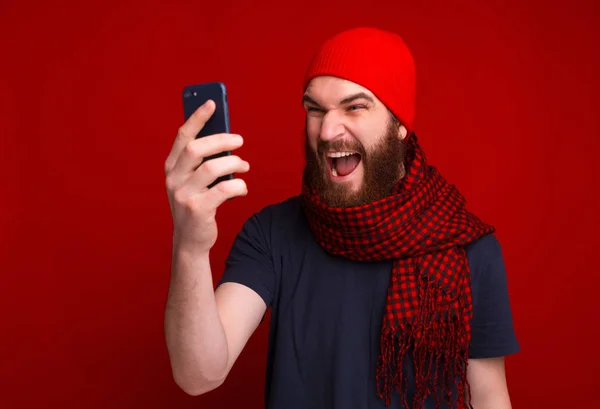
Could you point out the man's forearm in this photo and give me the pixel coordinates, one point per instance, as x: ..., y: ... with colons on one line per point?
x: 488, y: 384
x: 195, y: 338
x: 491, y: 401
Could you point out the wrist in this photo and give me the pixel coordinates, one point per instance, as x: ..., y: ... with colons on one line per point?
x: 188, y: 248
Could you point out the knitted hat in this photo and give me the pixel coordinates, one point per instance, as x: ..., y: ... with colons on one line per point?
x: 375, y: 59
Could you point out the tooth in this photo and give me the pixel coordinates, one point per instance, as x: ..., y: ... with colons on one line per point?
x: 334, y: 172
x: 339, y: 154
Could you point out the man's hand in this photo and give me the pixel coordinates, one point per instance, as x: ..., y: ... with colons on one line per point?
x: 193, y: 204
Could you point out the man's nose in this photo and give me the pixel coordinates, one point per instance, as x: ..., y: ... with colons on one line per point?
x: 332, y: 126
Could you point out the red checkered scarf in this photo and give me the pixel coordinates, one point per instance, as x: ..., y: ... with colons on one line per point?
x: 423, y: 228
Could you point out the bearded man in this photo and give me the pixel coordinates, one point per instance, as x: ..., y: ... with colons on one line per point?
x: 384, y: 289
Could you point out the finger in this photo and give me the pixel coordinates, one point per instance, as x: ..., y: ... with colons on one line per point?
x: 196, y: 150
x: 225, y: 190
x: 213, y: 169
x: 188, y: 131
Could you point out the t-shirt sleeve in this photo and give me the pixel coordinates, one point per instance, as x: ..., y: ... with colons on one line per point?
x: 250, y: 261
x: 493, y: 333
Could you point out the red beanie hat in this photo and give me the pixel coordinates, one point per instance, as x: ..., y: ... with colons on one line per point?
x: 375, y: 59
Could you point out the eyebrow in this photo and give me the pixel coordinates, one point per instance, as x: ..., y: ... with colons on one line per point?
x: 360, y: 95
x: 347, y: 100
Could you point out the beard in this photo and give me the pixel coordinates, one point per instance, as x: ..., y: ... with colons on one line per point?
x: 383, y: 168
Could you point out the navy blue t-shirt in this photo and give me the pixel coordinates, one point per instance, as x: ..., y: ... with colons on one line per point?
x: 327, y: 311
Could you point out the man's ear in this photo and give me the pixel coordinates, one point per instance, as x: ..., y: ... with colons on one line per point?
x: 403, y: 132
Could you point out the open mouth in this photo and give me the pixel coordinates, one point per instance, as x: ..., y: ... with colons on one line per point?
x: 342, y: 163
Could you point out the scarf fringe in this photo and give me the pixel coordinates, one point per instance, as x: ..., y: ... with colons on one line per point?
x: 438, y: 343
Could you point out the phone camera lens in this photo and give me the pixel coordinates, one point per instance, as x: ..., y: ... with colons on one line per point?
x: 187, y: 94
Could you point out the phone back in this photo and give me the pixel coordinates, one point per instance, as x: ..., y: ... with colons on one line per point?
x: 196, y: 95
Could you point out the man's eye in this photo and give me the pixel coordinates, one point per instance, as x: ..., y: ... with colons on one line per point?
x: 355, y: 107
x: 313, y: 109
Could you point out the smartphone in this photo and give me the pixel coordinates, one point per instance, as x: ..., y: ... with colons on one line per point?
x: 196, y: 95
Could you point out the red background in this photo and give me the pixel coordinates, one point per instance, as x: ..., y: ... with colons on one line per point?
x: 90, y: 102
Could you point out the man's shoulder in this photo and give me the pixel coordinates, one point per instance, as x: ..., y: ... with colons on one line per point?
x: 279, y: 216
x: 281, y: 210
x: 484, y: 251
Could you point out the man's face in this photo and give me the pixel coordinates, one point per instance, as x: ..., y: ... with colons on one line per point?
x: 354, y: 149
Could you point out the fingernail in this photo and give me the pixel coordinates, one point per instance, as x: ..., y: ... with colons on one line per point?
x: 238, y: 138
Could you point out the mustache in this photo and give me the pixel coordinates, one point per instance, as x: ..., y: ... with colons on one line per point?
x: 340, y: 145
